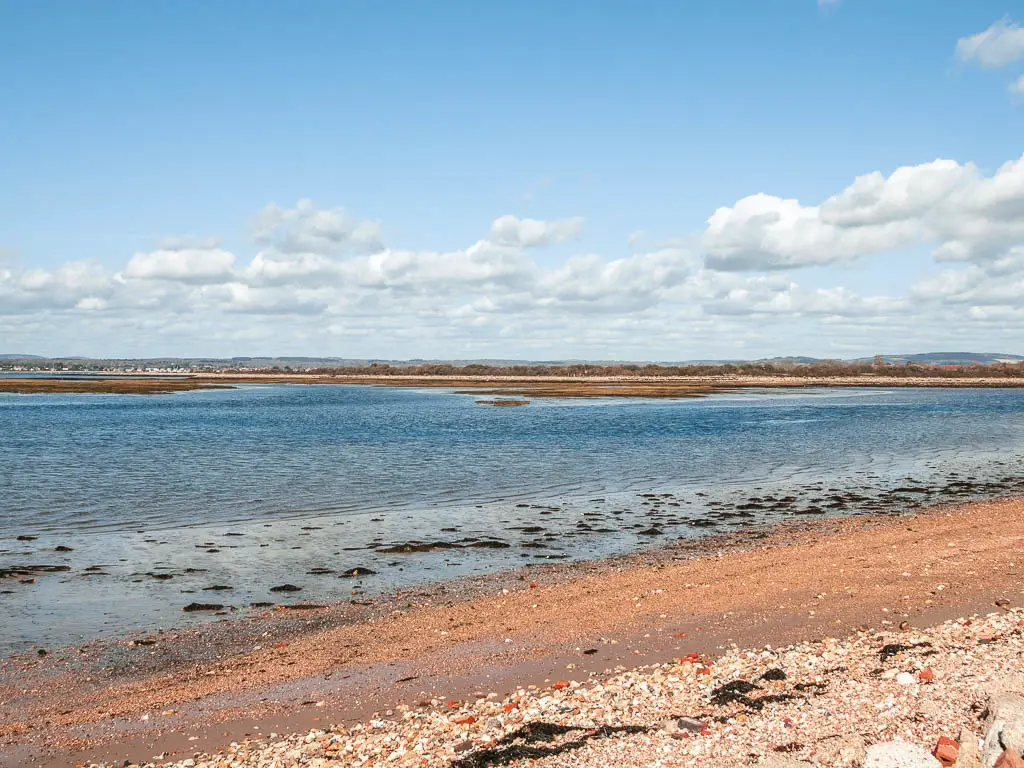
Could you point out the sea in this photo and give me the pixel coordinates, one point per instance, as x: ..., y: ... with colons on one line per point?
x: 117, y: 511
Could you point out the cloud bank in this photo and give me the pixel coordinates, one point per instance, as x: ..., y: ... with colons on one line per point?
x: 324, y: 281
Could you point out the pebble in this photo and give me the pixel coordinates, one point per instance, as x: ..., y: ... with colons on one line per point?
x: 829, y: 707
x: 899, y: 754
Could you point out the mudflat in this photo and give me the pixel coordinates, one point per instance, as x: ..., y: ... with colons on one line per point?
x: 180, y: 691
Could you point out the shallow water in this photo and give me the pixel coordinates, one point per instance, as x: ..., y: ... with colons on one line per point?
x: 255, y: 487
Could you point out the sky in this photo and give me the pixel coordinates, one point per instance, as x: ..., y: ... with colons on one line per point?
x: 515, y: 180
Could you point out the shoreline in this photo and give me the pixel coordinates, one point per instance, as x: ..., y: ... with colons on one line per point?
x: 507, y: 630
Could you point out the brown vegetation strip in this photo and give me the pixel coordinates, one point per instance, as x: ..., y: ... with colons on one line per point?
x: 119, y: 386
x: 497, y: 385
x: 825, y: 580
x: 587, y: 389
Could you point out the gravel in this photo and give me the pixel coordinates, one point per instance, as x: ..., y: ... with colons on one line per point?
x: 840, y: 702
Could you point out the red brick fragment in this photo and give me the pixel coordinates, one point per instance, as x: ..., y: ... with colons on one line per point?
x: 926, y: 675
x: 561, y: 684
x: 946, y: 751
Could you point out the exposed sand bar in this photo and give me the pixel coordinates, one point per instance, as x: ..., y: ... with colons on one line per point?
x: 453, y: 642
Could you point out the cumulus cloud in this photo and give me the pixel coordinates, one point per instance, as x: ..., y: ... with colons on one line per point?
x: 184, y: 263
x: 76, y: 283
x: 308, y: 229
x: 530, y: 233
x: 964, y: 214
x: 998, y: 46
x: 312, y: 279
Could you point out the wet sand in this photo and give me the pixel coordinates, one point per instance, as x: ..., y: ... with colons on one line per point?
x: 185, y: 690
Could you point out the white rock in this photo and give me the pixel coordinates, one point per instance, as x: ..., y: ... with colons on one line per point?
x: 1004, y: 722
x: 905, y: 678
x: 841, y: 751
x: 899, y: 754
x: 970, y: 754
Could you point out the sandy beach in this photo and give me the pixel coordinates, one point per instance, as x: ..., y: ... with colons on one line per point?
x: 197, y: 690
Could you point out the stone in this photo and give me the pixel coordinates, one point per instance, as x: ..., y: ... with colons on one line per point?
x: 193, y: 607
x: 845, y: 751
x: 926, y: 675
x: 1004, y: 727
x: 905, y: 678
x: 681, y: 727
x: 353, y: 572
x: 946, y: 751
x: 898, y: 754
x: 286, y: 588
x: 1009, y: 759
x: 970, y: 752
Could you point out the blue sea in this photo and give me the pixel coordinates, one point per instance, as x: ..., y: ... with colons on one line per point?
x: 153, y: 498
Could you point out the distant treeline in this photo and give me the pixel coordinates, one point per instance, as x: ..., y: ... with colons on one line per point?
x: 823, y: 368
x: 816, y: 369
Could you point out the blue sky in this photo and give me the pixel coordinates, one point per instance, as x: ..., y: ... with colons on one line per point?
x: 141, y: 141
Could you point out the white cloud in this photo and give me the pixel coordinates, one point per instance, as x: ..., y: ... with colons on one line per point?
x: 529, y: 233
x: 998, y: 46
x: 1017, y: 86
x: 185, y: 264
x: 42, y: 290
x: 307, y: 229
x: 309, y: 289
x: 964, y: 214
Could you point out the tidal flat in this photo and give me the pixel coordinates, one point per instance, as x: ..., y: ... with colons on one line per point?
x: 120, y: 512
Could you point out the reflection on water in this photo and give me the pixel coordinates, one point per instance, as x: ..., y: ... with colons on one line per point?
x: 159, y: 497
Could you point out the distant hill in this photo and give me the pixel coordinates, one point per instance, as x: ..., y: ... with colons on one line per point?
x: 299, y: 363
x: 949, y: 358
